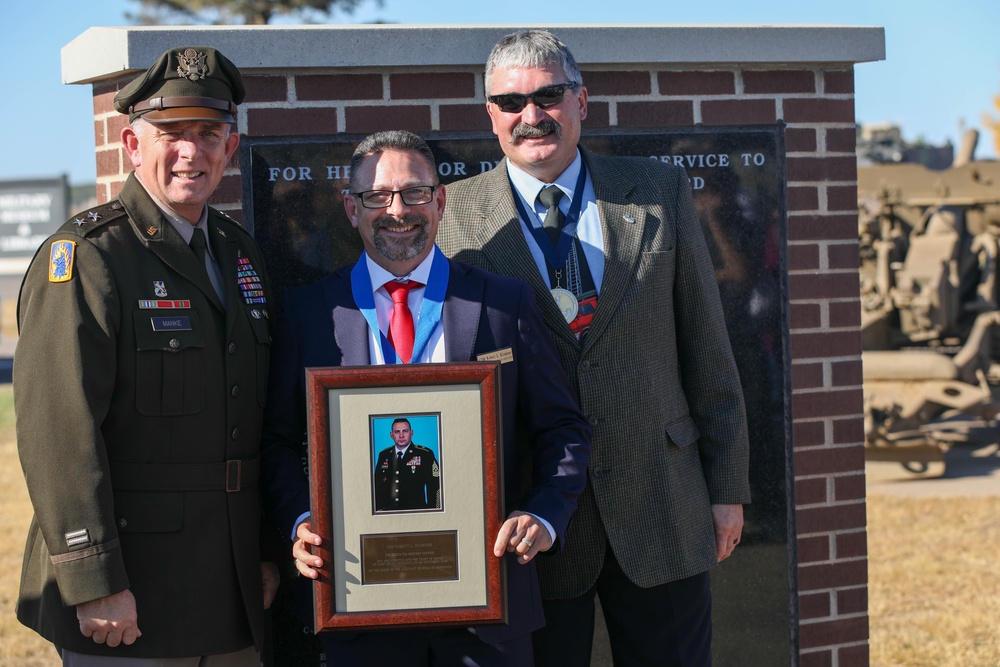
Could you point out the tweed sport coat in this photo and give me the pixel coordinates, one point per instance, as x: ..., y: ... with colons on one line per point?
x: 655, y: 374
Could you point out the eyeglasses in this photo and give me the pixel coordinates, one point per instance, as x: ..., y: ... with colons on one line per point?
x: 421, y: 194
x: 543, y: 98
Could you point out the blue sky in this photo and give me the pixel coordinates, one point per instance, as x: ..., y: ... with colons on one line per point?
x: 942, y: 66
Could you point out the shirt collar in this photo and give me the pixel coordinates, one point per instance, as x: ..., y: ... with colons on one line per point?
x: 380, y: 276
x: 180, y: 225
x: 528, y: 186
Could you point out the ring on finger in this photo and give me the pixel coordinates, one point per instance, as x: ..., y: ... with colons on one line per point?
x: 527, y: 541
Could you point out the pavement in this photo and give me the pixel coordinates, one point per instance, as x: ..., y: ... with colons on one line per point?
x: 970, y: 470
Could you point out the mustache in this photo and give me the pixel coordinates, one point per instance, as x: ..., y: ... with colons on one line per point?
x: 545, y: 127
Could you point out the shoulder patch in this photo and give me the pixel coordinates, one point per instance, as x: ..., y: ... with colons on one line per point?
x: 61, y: 256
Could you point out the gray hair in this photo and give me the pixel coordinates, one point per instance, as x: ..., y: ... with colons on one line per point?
x: 395, y: 140
x: 140, y: 125
x: 531, y: 49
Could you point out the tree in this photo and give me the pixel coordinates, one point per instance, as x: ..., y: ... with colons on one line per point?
x: 251, y: 12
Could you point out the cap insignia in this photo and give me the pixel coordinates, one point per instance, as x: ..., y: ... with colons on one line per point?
x: 191, y: 65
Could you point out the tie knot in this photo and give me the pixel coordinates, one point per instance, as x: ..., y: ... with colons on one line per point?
x: 399, y: 291
x: 550, y: 196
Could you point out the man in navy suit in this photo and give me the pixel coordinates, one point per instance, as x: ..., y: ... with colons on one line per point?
x: 458, y: 314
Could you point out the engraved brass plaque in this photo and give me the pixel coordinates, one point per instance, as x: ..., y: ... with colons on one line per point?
x: 408, y: 557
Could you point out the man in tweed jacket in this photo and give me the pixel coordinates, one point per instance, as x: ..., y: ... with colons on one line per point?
x: 644, y: 340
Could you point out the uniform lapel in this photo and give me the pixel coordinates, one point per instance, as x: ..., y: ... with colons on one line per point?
x: 162, y: 239
x: 226, y: 253
x: 502, y: 241
x: 622, y: 224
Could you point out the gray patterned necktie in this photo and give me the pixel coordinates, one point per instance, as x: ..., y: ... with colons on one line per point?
x: 554, y: 218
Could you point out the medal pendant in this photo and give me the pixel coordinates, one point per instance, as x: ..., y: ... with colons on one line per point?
x: 566, y: 302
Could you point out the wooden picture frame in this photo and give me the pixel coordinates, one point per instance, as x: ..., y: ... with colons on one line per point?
x: 424, y: 564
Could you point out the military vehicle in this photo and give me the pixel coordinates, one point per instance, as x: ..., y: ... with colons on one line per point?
x: 930, y: 306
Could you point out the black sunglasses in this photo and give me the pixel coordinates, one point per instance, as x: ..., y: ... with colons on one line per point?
x: 543, y: 97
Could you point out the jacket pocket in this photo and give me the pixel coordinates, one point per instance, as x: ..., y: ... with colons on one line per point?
x: 682, y: 432
x: 140, y: 512
x: 169, y: 366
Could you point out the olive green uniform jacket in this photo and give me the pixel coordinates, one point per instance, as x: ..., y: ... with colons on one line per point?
x: 139, y: 401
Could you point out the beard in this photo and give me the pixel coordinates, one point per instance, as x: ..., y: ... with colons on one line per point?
x: 398, y: 250
x: 545, y: 127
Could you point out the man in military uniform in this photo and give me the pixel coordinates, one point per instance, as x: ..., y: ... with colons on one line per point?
x: 139, y: 384
x: 407, y: 476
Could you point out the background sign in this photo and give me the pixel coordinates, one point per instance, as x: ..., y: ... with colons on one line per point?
x: 296, y: 189
x: 29, y: 212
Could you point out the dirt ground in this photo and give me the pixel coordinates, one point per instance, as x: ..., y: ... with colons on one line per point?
x: 933, y: 577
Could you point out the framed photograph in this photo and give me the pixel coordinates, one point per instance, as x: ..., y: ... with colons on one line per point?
x: 406, y: 491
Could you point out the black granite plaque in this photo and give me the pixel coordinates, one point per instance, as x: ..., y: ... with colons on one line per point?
x: 295, y: 190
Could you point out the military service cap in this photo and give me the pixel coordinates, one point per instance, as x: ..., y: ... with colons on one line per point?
x: 186, y: 84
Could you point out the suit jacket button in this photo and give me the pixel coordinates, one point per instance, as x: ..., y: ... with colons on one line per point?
x: 232, y: 348
x: 174, y: 343
x: 584, y: 365
x: 122, y: 522
x: 592, y: 421
x: 236, y: 434
x: 236, y: 390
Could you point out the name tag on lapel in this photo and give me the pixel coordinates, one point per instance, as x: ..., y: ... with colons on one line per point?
x: 504, y: 356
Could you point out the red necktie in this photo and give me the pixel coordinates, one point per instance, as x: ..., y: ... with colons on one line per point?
x: 401, y: 323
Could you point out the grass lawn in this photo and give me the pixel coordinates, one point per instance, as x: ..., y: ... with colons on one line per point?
x: 934, y: 591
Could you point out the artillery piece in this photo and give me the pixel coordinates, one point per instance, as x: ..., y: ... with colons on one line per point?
x: 930, y: 306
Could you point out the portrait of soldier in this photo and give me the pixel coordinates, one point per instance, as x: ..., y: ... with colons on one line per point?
x: 407, y: 475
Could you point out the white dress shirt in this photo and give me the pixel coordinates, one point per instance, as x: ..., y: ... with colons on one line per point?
x: 589, y: 231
